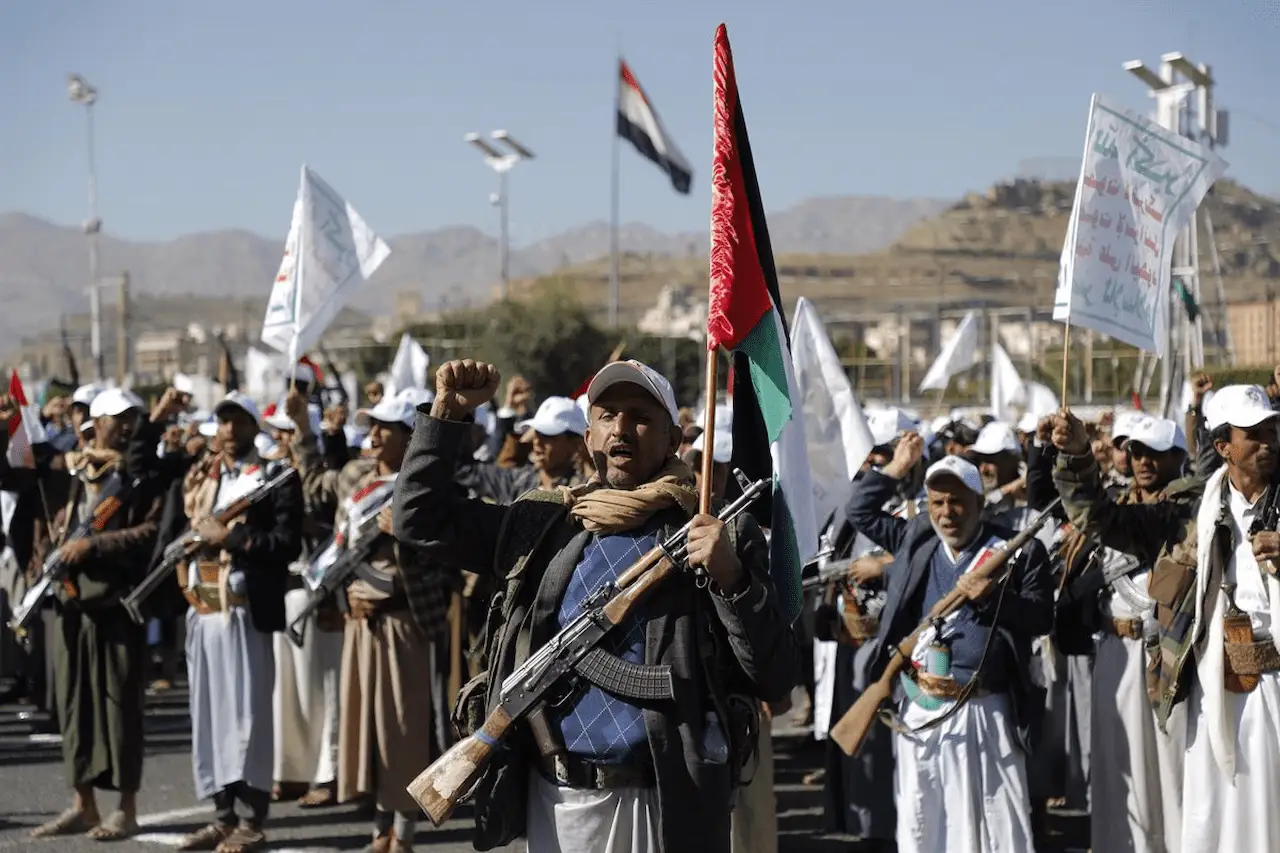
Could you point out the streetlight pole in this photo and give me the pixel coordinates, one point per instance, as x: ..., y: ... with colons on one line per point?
x: 502, y: 163
x: 82, y: 93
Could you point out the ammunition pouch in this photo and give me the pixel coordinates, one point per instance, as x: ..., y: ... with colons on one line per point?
x: 469, y: 708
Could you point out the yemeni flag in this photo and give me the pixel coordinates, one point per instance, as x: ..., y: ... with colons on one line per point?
x: 745, y: 318
x: 638, y: 123
x: 25, y: 428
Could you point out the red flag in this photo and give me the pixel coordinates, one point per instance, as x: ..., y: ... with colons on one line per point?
x: 19, y: 453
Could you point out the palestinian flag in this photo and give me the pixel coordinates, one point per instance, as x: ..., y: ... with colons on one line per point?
x: 638, y: 123
x: 745, y: 318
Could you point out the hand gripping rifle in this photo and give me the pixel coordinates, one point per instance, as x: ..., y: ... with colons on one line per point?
x: 450, y: 779
x: 54, y: 569
x: 851, y: 730
x: 346, y: 566
x: 188, y: 543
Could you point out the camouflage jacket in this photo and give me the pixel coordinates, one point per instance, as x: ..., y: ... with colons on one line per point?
x: 1161, y: 535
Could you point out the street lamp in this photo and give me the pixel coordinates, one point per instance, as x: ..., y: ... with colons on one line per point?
x: 80, y: 92
x: 502, y: 163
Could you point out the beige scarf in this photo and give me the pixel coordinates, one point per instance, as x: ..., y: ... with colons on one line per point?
x: 605, y: 510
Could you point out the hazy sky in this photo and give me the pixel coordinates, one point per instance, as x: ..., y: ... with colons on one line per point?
x: 207, y: 110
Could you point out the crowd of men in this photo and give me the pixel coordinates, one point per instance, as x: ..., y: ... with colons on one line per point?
x: 1123, y: 660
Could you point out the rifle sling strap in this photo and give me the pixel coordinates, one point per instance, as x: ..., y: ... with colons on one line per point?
x: 627, y: 680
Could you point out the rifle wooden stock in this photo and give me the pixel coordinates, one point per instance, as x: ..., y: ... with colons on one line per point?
x: 619, y: 607
x: 851, y: 730
x: 440, y: 787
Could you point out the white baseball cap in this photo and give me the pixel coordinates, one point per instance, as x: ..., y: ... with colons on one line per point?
x: 638, y: 374
x: 84, y: 395
x: 887, y: 424
x: 1122, y: 426
x: 1028, y: 422
x: 996, y: 437
x: 208, y: 428
x: 1241, y: 406
x: 556, y: 416
x: 390, y: 410
x: 279, y: 420
x: 1159, y: 434
x: 114, y: 401
x: 954, y: 466
x: 722, y: 443
x: 236, y: 400
x: 417, y: 396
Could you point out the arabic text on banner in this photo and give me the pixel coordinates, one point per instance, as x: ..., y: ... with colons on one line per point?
x: 1139, y: 185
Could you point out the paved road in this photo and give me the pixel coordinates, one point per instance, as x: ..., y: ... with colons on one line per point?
x: 32, y: 790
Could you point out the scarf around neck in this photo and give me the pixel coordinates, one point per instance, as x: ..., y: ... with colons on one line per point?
x: 606, y: 510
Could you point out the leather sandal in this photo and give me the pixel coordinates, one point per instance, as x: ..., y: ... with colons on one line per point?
x: 243, y: 839
x: 207, y: 838
x: 70, y: 822
x: 117, y: 827
x: 320, y: 796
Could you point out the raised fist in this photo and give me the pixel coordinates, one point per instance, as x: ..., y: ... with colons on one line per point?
x: 1069, y: 434
x: 909, y: 451
x: 1201, y: 384
x: 171, y: 403
x: 462, y: 386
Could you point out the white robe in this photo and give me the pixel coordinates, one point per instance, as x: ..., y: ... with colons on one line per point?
x: 1231, y: 782
x: 1136, y: 772
x: 569, y: 820
x: 962, y: 787
x: 305, y: 702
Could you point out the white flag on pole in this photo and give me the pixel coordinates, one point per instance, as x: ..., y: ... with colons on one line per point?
x: 1139, y: 186
x: 329, y: 253
x: 409, y: 369
x: 1007, y: 389
x: 836, y: 432
x: 956, y: 357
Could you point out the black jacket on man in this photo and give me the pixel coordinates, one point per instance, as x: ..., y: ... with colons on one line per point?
x: 1026, y: 612
x: 535, y: 546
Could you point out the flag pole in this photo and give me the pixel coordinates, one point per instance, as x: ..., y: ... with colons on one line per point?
x: 614, y: 201
x: 709, y: 431
x: 1066, y: 348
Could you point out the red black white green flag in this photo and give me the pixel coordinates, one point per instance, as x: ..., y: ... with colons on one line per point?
x: 745, y: 318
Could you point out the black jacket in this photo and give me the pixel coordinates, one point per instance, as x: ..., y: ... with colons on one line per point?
x: 268, y: 540
x: 534, y: 546
x: 1026, y: 613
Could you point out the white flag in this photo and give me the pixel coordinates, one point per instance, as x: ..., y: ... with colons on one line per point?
x: 956, y: 357
x: 1007, y: 389
x: 263, y: 374
x: 1139, y: 185
x: 329, y: 253
x: 409, y: 369
x: 836, y: 431
x: 1040, y: 400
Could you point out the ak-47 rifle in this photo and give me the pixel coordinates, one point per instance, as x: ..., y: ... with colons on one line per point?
x: 188, y: 543
x: 449, y: 779
x: 834, y: 571
x: 851, y: 730
x: 54, y: 569
x: 340, y: 569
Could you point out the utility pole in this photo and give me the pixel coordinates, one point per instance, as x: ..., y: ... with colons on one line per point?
x: 82, y: 93
x: 502, y: 163
x: 122, y: 330
x: 1172, y: 89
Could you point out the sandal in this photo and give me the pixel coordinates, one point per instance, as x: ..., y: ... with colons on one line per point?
x: 70, y: 822
x: 117, y: 827
x: 319, y: 797
x: 243, y: 839
x: 206, y: 839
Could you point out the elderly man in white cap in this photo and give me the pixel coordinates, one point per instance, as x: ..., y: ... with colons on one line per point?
x: 235, y: 586
x: 99, y: 653
x: 962, y: 781
x: 394, y: 657
x: 554, y: 435
x: 1216, y: 592
x: 618, y: 765
x: 1136, y: 768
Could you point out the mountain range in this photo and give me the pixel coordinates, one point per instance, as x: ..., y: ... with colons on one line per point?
x: 44, y: 266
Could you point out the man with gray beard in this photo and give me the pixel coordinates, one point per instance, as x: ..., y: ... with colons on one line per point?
x: 961, y: 779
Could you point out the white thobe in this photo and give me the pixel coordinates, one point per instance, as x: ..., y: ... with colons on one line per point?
x: 571, y: 820
x: 1136, y: 772
x: 962, y: 786
x: 1240, y: 813
x: 305, y: 702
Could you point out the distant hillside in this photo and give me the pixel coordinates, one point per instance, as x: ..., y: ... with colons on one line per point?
x: 1000, y: 248
x: 44, y: 267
